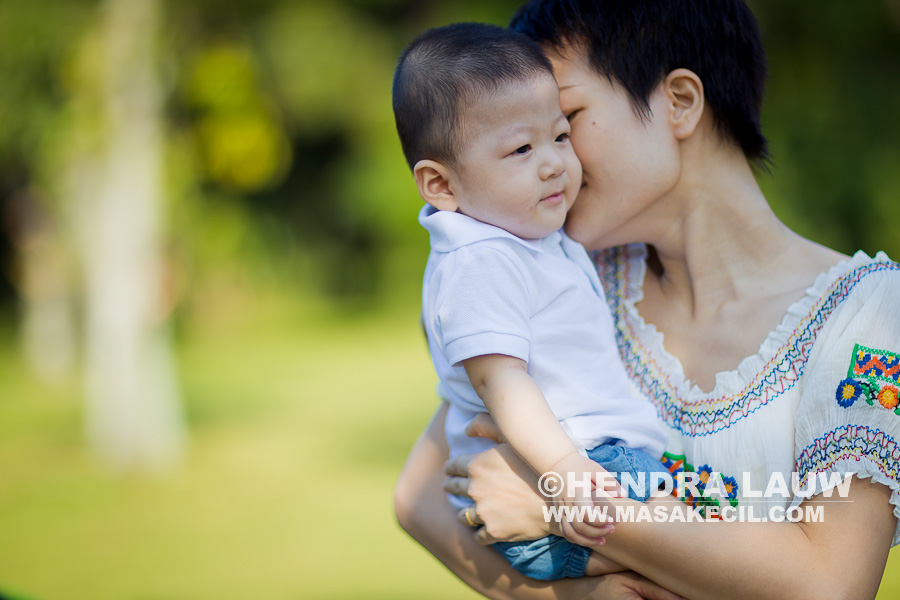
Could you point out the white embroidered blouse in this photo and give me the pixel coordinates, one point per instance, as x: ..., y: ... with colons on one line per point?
x: 819, y: 398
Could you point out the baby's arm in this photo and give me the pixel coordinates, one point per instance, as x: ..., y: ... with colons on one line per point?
x: 526, y: 422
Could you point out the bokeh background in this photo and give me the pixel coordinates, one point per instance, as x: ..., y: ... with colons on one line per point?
x: 210, y: 363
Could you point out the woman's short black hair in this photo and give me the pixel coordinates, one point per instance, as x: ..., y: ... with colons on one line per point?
x: 638, y: 42
x: 446, y: 68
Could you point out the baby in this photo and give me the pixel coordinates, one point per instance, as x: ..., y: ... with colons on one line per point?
x: 514, y: 312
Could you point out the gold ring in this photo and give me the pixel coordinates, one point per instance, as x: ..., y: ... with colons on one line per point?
x: 469, y: 517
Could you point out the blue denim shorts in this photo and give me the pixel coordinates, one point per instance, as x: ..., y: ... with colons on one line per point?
x: 555, y: 557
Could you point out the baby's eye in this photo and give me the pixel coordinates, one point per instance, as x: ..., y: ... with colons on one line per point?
x: 522, y: 149
x: 562, y: 137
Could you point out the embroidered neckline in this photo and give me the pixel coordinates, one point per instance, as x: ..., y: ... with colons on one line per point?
x: 771, y: 371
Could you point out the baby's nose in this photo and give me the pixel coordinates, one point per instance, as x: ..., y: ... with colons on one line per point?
x: 553, y: 166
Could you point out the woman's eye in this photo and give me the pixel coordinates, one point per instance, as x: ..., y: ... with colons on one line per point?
x: 522, y: 149
x: 571, y: 115
x: 562, y: 137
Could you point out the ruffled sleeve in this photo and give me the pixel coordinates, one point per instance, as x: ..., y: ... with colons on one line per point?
x: 848, y: 418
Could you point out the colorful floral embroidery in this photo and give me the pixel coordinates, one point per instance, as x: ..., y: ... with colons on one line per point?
x: 887, y: 397
x: 677, y: 466
x: 779, y: 375
x: 847, y: 392
x: 704, y: 472
x: 731, y: 487
x: 872, y: 375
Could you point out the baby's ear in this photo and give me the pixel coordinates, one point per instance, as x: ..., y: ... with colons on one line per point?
x: 433, y: 180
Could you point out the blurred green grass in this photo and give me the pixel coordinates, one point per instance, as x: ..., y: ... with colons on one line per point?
x: 298, y: 430
x: 297, y: 436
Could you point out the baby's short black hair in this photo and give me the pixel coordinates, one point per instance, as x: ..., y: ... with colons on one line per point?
x: 638, y: 42
x: 446, y: 68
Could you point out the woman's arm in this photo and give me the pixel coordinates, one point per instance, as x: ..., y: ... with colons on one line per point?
x: 842, y: 556
x: 424, y: 512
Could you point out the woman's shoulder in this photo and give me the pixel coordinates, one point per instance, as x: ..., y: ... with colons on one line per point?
x: 848, y: 417
x: 855, y: 298
x: 861, y: 265
x: 855, y: 282
x: 855, y: 316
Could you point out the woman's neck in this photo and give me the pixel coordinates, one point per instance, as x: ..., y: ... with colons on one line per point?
x: 723, y: 243
x: 724, y: 269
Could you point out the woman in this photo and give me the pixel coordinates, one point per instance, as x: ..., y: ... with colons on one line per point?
x: 763, y: 352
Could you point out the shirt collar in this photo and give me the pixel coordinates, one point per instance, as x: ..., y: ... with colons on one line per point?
x: 452, y: 230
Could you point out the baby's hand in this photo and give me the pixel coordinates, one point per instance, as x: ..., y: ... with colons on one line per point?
x: 584, y: 517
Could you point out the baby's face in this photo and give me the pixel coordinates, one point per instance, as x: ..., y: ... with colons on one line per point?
x: 517, y: 169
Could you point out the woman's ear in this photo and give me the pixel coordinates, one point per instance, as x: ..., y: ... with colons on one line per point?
x: 433, y: 181
x: 684, y: 91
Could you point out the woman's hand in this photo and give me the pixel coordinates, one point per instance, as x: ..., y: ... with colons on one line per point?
x: 627, y: 586
x: 504, y: 488
x: 424, y: 512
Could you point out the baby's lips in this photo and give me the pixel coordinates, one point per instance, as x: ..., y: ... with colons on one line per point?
x: 553, y: 198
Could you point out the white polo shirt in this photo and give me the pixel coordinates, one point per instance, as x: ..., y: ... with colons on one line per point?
x: 487, y: 291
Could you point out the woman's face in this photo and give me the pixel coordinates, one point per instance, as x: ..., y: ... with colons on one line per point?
x: 630, y: 164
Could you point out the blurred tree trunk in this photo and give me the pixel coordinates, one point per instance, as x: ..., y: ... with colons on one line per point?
x: 43, y: 280
x: 134, y: 419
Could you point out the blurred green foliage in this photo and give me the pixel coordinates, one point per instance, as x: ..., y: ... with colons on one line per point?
x: 830, y: 112
x: 278, y: 113
x: 282, y: 153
